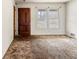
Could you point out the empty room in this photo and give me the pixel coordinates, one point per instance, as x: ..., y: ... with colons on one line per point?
x: 39, y: 29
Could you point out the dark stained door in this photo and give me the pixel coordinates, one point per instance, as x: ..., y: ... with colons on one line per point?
x: 24, y: 21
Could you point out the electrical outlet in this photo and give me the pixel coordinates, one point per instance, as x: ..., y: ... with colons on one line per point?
x: 72, y: 34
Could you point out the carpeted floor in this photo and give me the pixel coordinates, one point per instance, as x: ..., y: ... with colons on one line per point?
x: 42, y: 47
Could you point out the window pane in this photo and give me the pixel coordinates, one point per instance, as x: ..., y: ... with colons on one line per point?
x: 42, y: 19
x: 53, y: 14
x: 41, y: 14
x: 53, y: 24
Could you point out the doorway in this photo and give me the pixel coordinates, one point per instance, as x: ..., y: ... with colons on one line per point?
x: 24, y: 22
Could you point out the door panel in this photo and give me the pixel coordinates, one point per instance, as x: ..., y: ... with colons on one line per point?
x: 24, y: 21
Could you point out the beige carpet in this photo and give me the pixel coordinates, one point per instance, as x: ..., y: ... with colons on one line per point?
x: 42, y: 47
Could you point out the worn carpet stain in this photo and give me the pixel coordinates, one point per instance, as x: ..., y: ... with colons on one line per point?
x: 42, y: 47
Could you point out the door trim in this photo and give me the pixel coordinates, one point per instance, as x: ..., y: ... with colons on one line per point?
x: 14, y: 21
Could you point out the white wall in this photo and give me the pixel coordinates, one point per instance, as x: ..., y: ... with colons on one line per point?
x: 34, y: 30
x: 71, y: 19
x: 7, y: 24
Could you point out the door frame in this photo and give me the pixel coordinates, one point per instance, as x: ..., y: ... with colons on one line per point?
x: 29, y: 21
x: 14, y: 20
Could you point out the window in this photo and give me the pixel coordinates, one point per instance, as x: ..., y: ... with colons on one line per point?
x: 53, y: 19
x: 48, y: 19
x: 42, y: 19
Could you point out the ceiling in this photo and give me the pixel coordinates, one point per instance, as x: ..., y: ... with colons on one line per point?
x: 19, y: 1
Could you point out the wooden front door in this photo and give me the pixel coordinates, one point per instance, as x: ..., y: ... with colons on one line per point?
x: 24, y: 21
